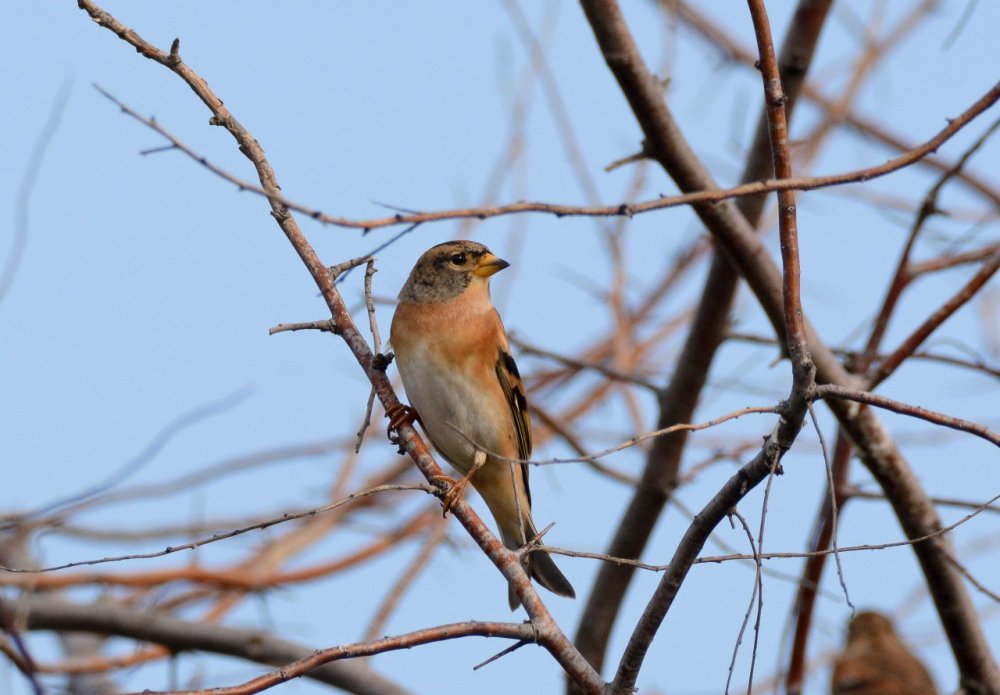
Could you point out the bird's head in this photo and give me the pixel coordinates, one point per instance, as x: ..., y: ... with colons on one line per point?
x: 446, y: 270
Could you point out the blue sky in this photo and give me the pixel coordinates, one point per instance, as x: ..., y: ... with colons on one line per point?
x: 147, y: 287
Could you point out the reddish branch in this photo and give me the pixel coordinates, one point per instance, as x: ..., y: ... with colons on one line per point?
x: 170, y: 550
x: 522, y: 632
x: 828, y: 391
x: 225, y: 578
x: 890, y: 363
x: 753, y: 186
x: 803, y: 370
x: 906, y: 272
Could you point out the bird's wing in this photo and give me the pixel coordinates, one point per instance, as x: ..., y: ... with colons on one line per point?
x: 513, y: 391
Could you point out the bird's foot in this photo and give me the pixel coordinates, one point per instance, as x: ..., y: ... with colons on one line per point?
x: 452, y: 489
x: 399, y: 414
x: 457, y: 487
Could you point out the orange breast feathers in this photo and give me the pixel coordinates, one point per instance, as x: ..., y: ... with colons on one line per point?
x: 447, y: 353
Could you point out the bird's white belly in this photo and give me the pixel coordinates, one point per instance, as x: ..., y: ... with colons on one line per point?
x: 450, y: 406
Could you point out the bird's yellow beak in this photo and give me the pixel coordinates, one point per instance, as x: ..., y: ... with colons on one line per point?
x: 489, y: 264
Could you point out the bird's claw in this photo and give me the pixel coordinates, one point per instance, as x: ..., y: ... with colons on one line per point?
x: 455, y: 488
x: 399, y: 415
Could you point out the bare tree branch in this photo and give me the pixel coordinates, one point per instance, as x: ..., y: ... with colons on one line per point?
x: 751, y: 188
x: 678, y: 400
x: 879, y: 453
x: 41, y: 612
x: 827, y: 391
x: 550, y: 636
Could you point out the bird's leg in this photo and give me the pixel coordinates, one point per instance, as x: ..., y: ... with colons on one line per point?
x: 399, y: 414
x: 458, y: 486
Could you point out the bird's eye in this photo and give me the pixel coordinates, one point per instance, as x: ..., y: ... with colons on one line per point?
x: 458, y: 259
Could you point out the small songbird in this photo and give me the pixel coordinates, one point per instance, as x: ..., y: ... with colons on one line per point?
x: 452, y: 353
x: 875, y: 661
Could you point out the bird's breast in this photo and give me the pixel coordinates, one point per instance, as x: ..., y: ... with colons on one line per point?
x: 450, y: 380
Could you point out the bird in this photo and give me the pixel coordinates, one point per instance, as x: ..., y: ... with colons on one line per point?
x: 452, y: 353
x: 876, y: 661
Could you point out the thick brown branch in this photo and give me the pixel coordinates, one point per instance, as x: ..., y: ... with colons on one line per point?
x: 42, y: 612
x: 803, y: 370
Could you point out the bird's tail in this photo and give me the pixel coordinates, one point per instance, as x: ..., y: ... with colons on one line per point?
x: 540, y: 567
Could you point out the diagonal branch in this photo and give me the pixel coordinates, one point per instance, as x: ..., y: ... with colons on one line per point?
x: 828, y: 391
x: 550, y: 636
x: 724, y: 44
x: 888, y: 365
x: 522, y: 632
x: 694, y: 539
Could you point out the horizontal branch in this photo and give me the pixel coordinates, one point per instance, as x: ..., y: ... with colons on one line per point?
x: 45, y: 612
x: 171, y: 549
x: 852, y: 356
x: 802, y: 183
x: 523, y: 632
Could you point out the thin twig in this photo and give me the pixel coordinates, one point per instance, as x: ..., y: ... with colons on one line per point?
x: 887, y: 366
x: 22, y: 206
x: 169, y: 550
x: 828, y: 391
x: 628, y: 443
x: 807, y: 183
x: 734, y: 513
x: 834, y: 511
x: 376, y: 346
x: 803, y: 370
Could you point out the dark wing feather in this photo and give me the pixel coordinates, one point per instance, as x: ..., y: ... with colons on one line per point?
x: 513, y: 391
